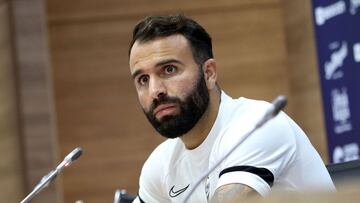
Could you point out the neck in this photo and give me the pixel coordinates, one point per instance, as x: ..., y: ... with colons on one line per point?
x: 200, y: 131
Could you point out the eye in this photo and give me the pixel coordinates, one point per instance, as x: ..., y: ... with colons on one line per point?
x: 169, y: 69
x: 143, y: 80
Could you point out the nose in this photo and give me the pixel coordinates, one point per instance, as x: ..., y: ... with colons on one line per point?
x: 157, y: 88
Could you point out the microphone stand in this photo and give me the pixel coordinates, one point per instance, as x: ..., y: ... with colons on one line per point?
x: 41, y: 185
x: 47, y: 179
x: 278, y: 104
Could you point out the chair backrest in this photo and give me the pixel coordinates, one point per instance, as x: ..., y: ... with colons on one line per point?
x: 122, y: 196
x: 345, y: 172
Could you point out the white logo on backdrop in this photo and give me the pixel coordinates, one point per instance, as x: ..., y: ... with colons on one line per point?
x: 354, y: 5
x: 341, y: 110
x: 322, y: 14
x: 336, y: 60
x: 346, y: 153
x: 356, y: 49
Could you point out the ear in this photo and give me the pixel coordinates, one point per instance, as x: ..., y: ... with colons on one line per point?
x: 210, y: 73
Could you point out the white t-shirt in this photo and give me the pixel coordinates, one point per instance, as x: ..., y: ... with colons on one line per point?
x: 278, y: 156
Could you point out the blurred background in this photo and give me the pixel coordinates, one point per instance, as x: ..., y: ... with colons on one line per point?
x: 65, y: 82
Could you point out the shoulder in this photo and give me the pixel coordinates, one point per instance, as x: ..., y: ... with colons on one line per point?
x: 245, y: 105
x: 242, y: 108
x: 276, y: 132
x: 273, y: 141
x: 259, y: 157
x: 245, y: 113
x: 242, y: 115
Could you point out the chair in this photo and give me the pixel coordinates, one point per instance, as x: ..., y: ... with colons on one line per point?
x: 345, y: 172
x: 122, y: 196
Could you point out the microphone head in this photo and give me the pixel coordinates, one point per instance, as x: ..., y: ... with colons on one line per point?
x: 279, y: 103
x: 75, y: 154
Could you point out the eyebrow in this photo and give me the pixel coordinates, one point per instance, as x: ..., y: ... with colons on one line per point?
x: 161, y: 63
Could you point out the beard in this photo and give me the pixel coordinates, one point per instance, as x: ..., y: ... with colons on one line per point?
x: 191, y: 110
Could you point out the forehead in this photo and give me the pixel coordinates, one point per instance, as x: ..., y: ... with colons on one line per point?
x: 150, y: 52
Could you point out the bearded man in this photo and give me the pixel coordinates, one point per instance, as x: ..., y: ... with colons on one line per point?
x: 175, y: 75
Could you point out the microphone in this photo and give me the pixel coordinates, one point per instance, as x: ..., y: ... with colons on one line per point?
x: 69, y: 159
x: 276, y: 106
x: 45, y: 181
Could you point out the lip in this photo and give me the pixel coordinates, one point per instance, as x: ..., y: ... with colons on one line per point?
x: 163, y: 107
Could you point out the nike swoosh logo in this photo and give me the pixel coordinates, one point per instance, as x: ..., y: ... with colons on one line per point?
x: 173, y: 193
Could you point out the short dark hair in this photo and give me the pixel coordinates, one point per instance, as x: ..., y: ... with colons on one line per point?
x: 153, y: 27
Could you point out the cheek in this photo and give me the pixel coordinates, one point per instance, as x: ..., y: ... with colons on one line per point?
x: 144, y: 102
x: 189, y: 85
x: 179, y: 89
x: 182, y: 88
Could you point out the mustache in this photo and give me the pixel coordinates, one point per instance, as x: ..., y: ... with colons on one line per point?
x: 164, y: 100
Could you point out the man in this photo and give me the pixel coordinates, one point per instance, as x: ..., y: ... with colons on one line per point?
x: 175, y: 76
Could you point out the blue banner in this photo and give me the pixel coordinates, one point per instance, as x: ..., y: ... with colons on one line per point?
x: 337, y: 31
